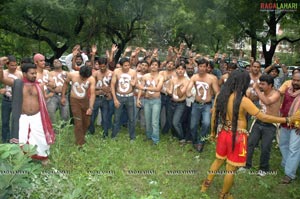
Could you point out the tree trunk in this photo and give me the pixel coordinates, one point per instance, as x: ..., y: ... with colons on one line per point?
x: 268, y: 54
x: 253, y: 47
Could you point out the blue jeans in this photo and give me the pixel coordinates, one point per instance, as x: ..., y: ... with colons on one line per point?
x: 289, y: 144
x: 186, y: 122
x: 166, y: 103
x: 106, y: 107
x: 139, y: 114
x: 177, y: 110
x: 266, y: 132
x: 54, y: 103
x: 200, y: 112
x: 128, y: 103
x: 152, y: 111
x: 5, y: 117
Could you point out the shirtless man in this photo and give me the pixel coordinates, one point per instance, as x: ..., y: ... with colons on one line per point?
x: 103, y: 97
x: 269, y: 99
x: 42, y: 75
x: 178, y: 86
x: 255, y: 73
x: 206, y: 86
x: 6, y: 106
x: 34, y: 123
x: 81, y: 104
x: 151, y: 86
x: 58, y: 77
x: 139, y: 111
x: 231, y: 67
x: 165, y: 117
x: 122, y: 86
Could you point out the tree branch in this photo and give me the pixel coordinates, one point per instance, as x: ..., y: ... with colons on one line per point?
x: 288, y: 39
x: 282, y: 14
x: 40, y: 26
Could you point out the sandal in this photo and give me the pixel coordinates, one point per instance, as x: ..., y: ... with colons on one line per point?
x: 286, y: 180
x: 205, y: 185
x: 225, y: 196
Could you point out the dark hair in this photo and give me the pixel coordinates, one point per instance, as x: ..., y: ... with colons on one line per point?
x: 146, y: 57
x: 232, y: 66
x: 295, y: 70
x: 202, y: 61
x: 257, y: 62
x: 26, y: 66
x: 182, y: 63
x: 184, y: 59
x: 237, y: 83
x: 102, y: 60
x: 79, y: 55
x: 123, y: 60
x: 267, y: 78
x: 144, y: 62
x: 275, y: 68
x: 11, y: 58
x: 155, y: 60
x: 26, y: 60
x: 211, y: 64
x: 85, y: 71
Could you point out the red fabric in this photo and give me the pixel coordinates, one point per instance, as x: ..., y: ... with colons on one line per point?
x: 224, y: 147
x: 47, y: 125
x: 286, y: 105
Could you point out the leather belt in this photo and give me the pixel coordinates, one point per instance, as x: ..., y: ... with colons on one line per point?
x: 202, y: 103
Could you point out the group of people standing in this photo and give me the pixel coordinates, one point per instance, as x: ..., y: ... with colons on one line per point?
x: 184, y: 94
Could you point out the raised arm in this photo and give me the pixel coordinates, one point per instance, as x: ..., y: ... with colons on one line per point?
x: 266, y: 100
x: 93, y: 54
x: 5, y: 80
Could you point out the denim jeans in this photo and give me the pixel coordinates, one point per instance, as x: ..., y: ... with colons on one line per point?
x: 200, y: 112
x: 152, y: 111
x: 289, y: 144
x: 5, y: 117
x: 266, y: 132
x: 53, y: 104
x: 177, y: 110
x: 128, y: 103
x: 166, y: 104
x: 106, y: 107
x: 139, y: 113
x: 186, y: 122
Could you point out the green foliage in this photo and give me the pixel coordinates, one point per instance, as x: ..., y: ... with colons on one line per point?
x: 107, y: 168
x: 53, y: 27
x: 16, y: 168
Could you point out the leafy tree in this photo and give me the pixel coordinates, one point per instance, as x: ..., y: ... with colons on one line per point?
x: 260, y: 26
x: 56, y: 22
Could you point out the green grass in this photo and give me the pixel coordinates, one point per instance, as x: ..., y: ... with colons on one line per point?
x: 108, y: 168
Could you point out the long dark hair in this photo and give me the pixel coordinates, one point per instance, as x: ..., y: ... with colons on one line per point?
x: 237, y: 83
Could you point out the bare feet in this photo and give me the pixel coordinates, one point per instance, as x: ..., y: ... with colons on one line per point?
x: 45, y: 162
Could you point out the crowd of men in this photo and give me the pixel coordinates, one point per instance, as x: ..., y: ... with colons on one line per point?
x: 160, y: 96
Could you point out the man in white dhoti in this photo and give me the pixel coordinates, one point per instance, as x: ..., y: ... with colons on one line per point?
x: 32, y: 117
